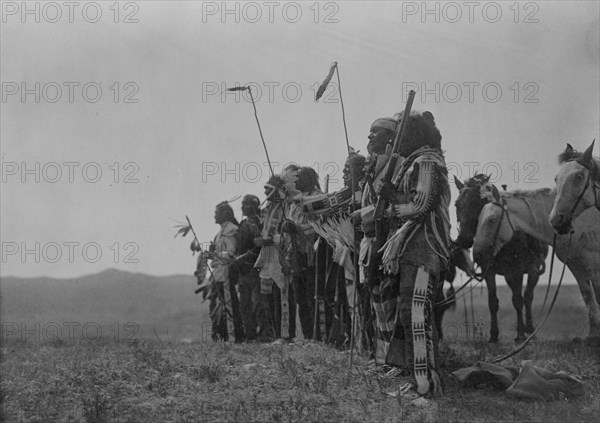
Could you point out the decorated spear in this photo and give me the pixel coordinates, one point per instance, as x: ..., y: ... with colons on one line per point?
x: 257, y: 122
x: 356, y: 308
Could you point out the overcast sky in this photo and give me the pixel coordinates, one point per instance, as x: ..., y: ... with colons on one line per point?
x: 129, y: 125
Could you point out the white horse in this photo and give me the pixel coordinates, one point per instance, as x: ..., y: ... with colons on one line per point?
x: 527, y: 211
x: 577, y: 187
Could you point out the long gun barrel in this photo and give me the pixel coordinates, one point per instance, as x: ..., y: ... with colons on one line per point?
x: 389, y: 174
x: 380, y: 234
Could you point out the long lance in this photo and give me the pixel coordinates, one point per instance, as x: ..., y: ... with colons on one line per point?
x: 257, y: 122
x: 357, y: 313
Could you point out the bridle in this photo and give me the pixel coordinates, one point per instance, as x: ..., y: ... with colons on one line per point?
x: 588, y: 181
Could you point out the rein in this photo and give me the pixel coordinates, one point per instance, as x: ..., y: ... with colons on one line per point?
x: 530, y: 337
x: 451, y: 300
x: 587, y: 184
x: 504, y: 208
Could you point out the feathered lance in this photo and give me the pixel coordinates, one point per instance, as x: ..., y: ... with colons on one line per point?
x: 321, y: 90
x: 257, y: 122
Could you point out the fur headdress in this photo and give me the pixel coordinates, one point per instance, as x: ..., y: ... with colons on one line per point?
x: 420, y: 131
x: 252, y: 199
x: 284, y: 184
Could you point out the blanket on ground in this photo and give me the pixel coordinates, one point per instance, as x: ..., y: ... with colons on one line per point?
x: 527, y: 381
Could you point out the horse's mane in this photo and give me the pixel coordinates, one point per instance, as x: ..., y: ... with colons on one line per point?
x: 519, y: 193
x: 524, y: 193
x: 477, y: 180
x: 534, y: 200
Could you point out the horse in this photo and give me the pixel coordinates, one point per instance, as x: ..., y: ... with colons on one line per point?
x: 521, y: 255
x: 527, y: 211
x: 577, y: 185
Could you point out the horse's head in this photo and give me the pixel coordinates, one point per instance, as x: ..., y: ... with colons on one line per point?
x: 494, y: 230
x: 461, y: 258
x: 576, y: 187
x: 468, y: 205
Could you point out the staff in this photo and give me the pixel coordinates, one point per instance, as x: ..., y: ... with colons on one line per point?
x: 257, y: 122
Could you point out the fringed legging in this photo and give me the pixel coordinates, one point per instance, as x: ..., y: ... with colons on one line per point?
x: 406, y: 334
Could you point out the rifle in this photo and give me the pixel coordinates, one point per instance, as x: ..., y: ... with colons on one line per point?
x: 382, y: 202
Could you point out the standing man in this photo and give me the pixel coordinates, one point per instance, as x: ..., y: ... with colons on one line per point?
x: 415, y: 254
x: 227, y: 323
x: 303, y: 275
x: 381, y: 138
x: 252, y: 304
x: 274, y: 281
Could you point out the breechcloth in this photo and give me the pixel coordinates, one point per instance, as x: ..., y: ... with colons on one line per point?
x: 283, y: 306
x: 406, y: 335
x: 285, y: 310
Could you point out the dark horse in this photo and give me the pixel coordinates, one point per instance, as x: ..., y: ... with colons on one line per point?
x: 522, y: 255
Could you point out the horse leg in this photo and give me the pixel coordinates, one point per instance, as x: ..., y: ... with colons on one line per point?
x: 583, y: 278
x: 490, y: 281
x: 515, y: 282
x: 532, y: 279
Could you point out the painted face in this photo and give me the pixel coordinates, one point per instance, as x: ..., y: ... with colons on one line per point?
x: 378, y: 139
x: 570, y: 185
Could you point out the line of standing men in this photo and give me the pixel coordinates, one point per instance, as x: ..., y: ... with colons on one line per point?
x: 264, y: 268
x: 402, y: 274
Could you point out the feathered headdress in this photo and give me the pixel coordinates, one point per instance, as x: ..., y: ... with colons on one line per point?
x: 284, y: 184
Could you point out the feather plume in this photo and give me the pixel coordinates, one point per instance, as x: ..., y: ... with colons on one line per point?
x: 183, y: 230
x: 325, y: 82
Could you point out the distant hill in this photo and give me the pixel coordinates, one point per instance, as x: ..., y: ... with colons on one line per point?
x: 167, y: 308
x: 166, y: 305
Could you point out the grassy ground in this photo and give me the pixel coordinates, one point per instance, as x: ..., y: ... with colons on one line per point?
x: 145, y: 381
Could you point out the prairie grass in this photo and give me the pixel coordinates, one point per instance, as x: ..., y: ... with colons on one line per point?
x: 151, y: 381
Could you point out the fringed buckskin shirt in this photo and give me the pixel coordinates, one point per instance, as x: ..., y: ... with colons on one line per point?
x: 421, y: 214
x: 225, y: 241
x: 268, y: 258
